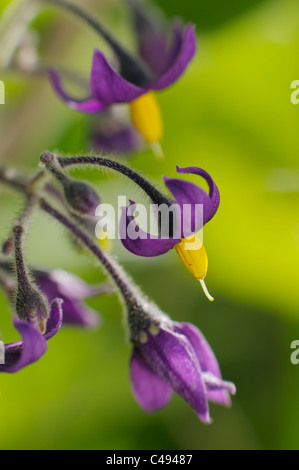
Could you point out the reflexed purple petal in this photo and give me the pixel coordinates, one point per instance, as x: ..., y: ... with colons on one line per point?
x: 206, y: 358
x: 154, y: 51
x: 178, y: 31
x: 108, y: 86
x: 146, y: 244
x: 151, y: 392
x: 90, y: 105
x: 55, y: 319
x: 218, y: 389
x: 74, y: 313
x: 72, y: 290
x: 60, y: 283
x: 172, y: 358
x: 184, y: 55
x: 121, y: 141
x: 151, y: 38
x: 153, y: 43
x: 190, y: 194
x: 203, y: 350
x: 213, y: 189
x: 22, y: 353
x: 33, y: 344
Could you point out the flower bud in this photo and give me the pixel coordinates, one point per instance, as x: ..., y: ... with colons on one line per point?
x: 81, y: 196
x: 31, y: 305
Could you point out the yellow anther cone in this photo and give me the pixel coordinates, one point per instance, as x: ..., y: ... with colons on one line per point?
x: 147, y: 118
x: 194, y: 256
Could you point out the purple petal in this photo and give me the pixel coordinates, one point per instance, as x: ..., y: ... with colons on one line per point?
x: 120, y: 141
x: 108, y: 86
x: 55, y: 319
x: 213, y: 189
x: 153, y: 44
x: 90, y: 105
x: 172, y: 358
x: 60, y: 283
x: 217, y: 389
x: 22, y: 353
x: 184, y: 55
x: 153, y: 50
x: 71, y: 289
x: 151, y: 392
x: 206, y: 358
x: 145, y: 245
x: 197, y: 212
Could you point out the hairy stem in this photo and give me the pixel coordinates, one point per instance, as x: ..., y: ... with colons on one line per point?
x: 128, y: 291
x: 156, y: 196
x: 130, y: 68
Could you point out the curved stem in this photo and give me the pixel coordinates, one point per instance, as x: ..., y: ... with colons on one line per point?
x: 131, y: 70
x: 128, y: 291
x: 148, y: 188
x: 141, y: 313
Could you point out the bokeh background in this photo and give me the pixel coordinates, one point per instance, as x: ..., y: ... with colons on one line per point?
x: 230, y: 114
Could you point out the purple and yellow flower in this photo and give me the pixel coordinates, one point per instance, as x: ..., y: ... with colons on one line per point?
x: 33, y: 345
x: 193, y: 209
x: 176, y: 357
x: 162, y: 63
x: 73, y: 291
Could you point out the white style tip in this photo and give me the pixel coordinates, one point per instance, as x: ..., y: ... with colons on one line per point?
x: 204, y: 287
x: 157, y: 149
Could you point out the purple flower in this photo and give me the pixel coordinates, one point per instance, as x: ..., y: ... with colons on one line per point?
x: 201, y: 208
x: 73, y: 291
x: 33, y: 344
x: 176, y: 357
x: 108, y: 87
x: 161, y: 65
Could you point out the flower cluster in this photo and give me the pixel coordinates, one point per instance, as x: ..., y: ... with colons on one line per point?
x: 167, y: 356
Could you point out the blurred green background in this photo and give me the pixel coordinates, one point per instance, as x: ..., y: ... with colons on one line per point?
x: 230, y: 114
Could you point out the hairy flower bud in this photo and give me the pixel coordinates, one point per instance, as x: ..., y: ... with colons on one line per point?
x: 31, y: 305
x: 79, y: 195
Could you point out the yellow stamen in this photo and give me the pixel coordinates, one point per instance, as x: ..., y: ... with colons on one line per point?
x: 194, y: 256
x: 146, y: 117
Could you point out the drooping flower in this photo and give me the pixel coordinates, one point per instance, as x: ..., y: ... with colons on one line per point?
x: 73, y: 291
x: 136, y: 81
x: 64, y: 285
x: 176, y: 357
x: 33, y: 344
x: 193, y: 208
